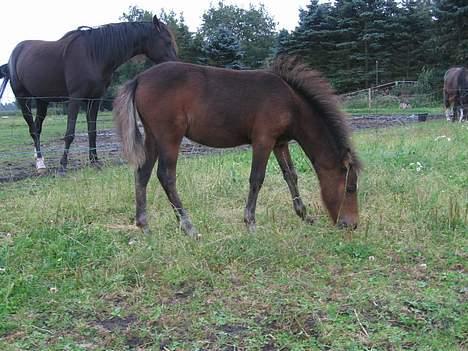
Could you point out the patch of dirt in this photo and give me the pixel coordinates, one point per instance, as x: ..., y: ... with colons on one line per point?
x: 14, y: 167
x: 117, y: 323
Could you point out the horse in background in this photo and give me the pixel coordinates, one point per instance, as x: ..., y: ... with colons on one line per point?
x: 226, y: 108
x: 78, y: 67
x: 456, y: 94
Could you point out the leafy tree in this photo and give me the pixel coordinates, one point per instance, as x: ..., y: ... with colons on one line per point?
x: 189, y: 49
x: 136, y: 14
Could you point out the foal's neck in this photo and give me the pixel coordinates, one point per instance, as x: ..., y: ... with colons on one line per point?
x: 318, y: 145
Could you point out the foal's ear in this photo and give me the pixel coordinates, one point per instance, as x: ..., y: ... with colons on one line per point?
x: 156, y: 23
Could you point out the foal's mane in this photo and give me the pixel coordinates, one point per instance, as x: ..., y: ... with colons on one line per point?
x: 321, y: 96
x: 112, y: 41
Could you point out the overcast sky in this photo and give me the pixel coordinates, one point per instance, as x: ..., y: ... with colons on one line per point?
x: 49, y: 20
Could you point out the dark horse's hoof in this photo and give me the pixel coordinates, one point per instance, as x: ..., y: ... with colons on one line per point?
x: 61, y: 172
x: 96, y: 164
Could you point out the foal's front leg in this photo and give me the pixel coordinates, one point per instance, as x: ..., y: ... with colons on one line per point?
x: 167, y: 177
x: 261, y: 153
x: 290, y: 176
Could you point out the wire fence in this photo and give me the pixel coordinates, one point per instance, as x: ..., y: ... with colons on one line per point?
x: 17, y: 151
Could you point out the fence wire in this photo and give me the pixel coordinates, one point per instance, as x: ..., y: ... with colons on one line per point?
x: 17, y: 149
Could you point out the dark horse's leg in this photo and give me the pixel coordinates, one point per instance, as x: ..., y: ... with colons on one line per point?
x: 25, y: 105
x: 142, y: 177
x: 168, y: 154
x: 40, y: 116
x: 290, y: 176
x: 91, y: 117
x: 73, y: 109
x: 261, y: 153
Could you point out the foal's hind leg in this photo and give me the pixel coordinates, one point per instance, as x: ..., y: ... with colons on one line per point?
x: 142, y: 177
x: 167, y: 176
x: 261, y: 153
x: 290, y: 176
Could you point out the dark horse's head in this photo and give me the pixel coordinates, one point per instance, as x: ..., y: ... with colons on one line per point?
x: 161, y: 45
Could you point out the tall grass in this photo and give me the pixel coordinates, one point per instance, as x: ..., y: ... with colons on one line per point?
x: 76, y: 275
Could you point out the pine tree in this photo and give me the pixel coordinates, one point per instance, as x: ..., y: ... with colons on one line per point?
x: 222, y: 49
x: 451, y: 21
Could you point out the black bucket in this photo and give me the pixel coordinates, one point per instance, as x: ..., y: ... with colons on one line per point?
x: 422, y: 117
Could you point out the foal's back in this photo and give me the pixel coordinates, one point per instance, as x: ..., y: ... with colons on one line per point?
x: 213, y: 106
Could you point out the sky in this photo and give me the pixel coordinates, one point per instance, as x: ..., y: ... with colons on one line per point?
x: 49, y: 20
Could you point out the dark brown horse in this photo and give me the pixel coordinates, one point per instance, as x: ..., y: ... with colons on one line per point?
x: 225, y: 108
x: 78, y: 67
x: 456, y: 93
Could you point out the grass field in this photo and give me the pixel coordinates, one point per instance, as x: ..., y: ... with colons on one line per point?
x: 14, y: 130
x: 76, y: 275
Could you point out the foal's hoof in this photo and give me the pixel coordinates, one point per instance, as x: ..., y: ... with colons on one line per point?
x: 251, y: 227
x: 190, y: 230
x: 309, y: 219
x: 146, y: 230
x: 62, y: 171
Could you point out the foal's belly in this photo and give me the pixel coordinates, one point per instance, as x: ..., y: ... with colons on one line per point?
x: 218, y: 139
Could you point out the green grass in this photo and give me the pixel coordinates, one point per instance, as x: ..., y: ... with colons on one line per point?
x: 14, y: 133
x: 76, y: 275
x: 395, y: 110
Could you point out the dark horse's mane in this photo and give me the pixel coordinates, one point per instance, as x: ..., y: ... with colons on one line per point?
x: 111, y: 41
x: 321, y: 96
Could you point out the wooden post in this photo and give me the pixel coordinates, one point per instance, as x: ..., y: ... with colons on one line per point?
x: 370, y: 98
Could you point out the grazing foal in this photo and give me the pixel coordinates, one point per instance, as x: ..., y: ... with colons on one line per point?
x: 226, y: 108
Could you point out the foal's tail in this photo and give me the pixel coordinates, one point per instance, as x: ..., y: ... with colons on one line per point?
x: 5, y: 75
x: 125, y: 119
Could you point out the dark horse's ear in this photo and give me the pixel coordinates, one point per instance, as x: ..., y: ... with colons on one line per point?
x: 156, y: 23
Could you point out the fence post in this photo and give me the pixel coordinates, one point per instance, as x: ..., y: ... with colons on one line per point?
x: 370, y: 98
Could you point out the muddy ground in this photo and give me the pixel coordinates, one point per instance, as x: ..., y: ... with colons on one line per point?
x: 16, y: 168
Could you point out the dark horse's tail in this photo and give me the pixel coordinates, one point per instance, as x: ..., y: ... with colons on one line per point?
x: 5, y: 75
x: 125, y: 119
x: 320, y: 95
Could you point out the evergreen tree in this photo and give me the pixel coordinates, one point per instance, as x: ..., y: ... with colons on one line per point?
x: 222, y: 49
x: 451, y: 22
x: 254, y: 29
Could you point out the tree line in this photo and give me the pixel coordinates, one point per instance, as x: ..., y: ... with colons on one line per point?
x: 355, y: 43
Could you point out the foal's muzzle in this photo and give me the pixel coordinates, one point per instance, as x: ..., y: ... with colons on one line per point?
x: 344, y: 224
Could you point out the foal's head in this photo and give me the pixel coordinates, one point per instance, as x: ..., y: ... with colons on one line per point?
x: 161, y: 45
x: 339, y: 191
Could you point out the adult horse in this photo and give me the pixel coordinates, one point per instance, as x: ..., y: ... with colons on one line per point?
x: 226, y: 108
x: 456, y: 93
x: 78, y: 67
